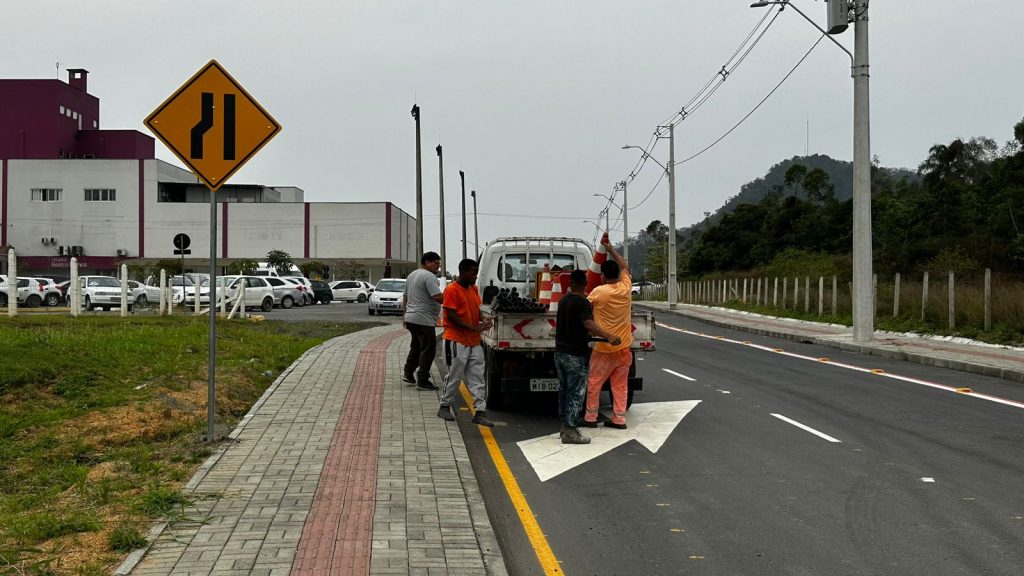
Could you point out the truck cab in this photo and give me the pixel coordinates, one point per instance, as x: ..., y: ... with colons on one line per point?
x: 514, y: 262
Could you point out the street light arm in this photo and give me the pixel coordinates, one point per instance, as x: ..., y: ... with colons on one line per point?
x: 647, y: 155
x: 785, y: 3
x: 608, y: 198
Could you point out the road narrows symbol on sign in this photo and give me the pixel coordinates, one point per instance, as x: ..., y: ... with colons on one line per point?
x: 213, y: 125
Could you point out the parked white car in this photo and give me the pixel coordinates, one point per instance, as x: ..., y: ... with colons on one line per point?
x: 103, y: 292
x: 51, y: 294
x: 349, y: 291
x: 151, y: 294
x: 387, y: 297
x: 258, y: 293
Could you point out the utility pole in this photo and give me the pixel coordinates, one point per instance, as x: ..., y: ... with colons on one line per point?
x: 462, y: 176
x: 625, y: 220
x: 672, y: 296
x: 440, y: 180
x: 863, y: 291
x: 419, y: 184
x: 476, y: 227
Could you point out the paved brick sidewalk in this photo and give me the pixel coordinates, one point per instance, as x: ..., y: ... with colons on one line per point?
x: 341, y: 468
x: 999, y: 361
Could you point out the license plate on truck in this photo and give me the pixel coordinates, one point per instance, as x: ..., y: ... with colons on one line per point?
x: 543, y: 384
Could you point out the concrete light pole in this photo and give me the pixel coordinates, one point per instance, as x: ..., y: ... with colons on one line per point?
x: 671, y: 172
x: 476, y: 227
x: 839, y: 17
x: 419, y: 185
x: 672, y: 296
x: 625, y: 220
x: 462, y: 176
x: 440, y: 181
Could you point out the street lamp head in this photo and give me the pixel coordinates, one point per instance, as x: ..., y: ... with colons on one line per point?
x: 438, y: 149
x: 472, y: 193
x: 416, y: 111
x: 763, y: 3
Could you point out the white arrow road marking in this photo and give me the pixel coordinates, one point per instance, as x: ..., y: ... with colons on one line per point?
x: 807, y: 428
x: 649, y: 424
x: 683, y: 376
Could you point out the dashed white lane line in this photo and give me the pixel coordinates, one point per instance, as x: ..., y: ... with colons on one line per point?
x: 955, y: 389
x: 683, y: 376
x: 806, y: 428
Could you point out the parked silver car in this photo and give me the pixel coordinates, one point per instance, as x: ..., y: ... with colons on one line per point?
x: 286, y: 294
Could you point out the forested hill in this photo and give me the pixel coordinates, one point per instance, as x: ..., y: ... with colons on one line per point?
x: 959, y: 211
x: 840, y: 176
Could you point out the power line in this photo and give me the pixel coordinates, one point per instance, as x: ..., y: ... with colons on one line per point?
x: 763, y: 100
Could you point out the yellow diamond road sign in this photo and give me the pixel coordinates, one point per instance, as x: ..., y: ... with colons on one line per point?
x: 213, y: 125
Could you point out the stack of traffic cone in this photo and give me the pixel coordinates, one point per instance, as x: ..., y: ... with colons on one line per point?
x: 594, y: 274
x: 556, y: 294
x: 544, y: 294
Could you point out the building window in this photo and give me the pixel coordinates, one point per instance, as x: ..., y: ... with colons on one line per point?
x: 47, y: 194
x: 62, y: 110
x: 100, y: 195
x: 67, y: 112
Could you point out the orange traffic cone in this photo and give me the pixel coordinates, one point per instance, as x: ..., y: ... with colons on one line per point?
x: 594, y: 274
x: 556, y: 295
x: 544, y: 294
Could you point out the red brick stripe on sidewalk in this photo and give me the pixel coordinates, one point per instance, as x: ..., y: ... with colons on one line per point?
x: 336, y: 538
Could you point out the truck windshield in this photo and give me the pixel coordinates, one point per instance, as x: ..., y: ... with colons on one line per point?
x: 512, y: 267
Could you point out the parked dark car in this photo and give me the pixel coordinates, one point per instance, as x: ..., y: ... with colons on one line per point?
x: 322, y: 293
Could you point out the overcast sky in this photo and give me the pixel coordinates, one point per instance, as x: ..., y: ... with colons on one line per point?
x: 534, y: 100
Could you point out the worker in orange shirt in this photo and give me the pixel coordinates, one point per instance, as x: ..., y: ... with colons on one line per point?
x: 463, y: 353
x: 613, y: 308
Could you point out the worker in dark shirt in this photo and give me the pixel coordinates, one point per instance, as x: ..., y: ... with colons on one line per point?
x: 572, y: 354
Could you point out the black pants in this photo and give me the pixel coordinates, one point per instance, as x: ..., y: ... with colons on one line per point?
x: 422, y: 350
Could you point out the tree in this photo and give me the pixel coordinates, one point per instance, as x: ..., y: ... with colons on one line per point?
x: 280, y: 261
x: 315, y: 269
x: 243, y: 267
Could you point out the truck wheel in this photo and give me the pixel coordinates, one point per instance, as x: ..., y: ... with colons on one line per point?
x: 88, y: 304
x: 492, y: 380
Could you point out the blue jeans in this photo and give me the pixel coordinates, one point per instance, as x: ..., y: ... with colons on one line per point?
x: 572, y: 386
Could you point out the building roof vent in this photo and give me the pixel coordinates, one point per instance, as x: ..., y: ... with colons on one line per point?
x: 79, y: 78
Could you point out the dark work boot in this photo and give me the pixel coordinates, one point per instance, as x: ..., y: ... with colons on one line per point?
x: 481, y: 418
x: 445, y: 412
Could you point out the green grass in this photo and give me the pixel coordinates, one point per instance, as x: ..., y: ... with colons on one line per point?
x: 102, y: 419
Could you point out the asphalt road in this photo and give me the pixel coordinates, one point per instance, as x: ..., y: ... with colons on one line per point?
x: 919, y: 480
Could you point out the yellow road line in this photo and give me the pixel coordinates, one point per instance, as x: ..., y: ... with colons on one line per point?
x: 545, y: 556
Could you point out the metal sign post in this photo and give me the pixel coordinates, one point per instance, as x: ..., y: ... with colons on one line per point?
x: 214, y: 126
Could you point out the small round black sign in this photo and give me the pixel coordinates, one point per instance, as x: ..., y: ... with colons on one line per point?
x: 182, y: 241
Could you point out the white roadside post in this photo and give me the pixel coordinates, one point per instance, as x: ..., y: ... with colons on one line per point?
x: 74, y: 294
x: 163, y: 291
x: 12, y: 284
x: 124, y: 290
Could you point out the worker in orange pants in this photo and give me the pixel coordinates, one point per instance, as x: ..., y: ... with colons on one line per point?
x: 613, y: 308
